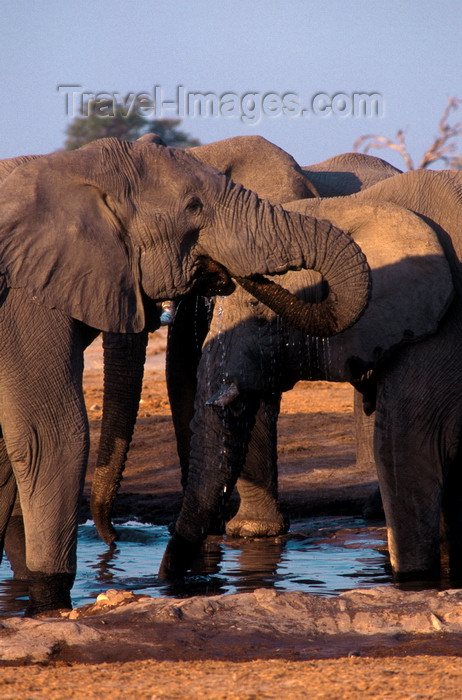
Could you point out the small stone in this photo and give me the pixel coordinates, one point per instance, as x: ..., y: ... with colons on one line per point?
x: 175, y: 611
x: 102, y: 598
x: 113, y: 597
x: 436, y: 622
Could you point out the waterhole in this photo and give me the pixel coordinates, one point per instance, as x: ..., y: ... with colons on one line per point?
x: 320, y: 555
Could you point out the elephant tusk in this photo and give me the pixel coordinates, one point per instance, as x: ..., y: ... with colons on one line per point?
x: 223, y: 396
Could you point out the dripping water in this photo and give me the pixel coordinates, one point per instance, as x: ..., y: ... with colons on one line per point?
x: 272, y: 363
x: 218, y: 336
x: 320, y: 357
x: 327, y: 359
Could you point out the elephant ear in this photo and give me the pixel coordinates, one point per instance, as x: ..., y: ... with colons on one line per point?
x: 61, y: 241
x: 411, y: 283
x: 9, y: 164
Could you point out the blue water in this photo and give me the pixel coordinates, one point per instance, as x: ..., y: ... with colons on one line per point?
x: 319, y: 555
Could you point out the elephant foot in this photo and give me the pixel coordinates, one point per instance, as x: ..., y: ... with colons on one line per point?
x: 246, y: 527
x: 419, y: 579
x: 49, y: 592
x: 216, y: 527
x: 15, y: 547
x: 373, y: 507
x: 178, y: 558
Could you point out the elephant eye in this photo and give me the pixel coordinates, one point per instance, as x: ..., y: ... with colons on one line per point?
x: 194, y: 205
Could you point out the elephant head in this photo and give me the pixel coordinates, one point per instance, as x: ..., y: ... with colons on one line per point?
x: 258, y: 165
x: 260, y: 356
x: 141, y: 220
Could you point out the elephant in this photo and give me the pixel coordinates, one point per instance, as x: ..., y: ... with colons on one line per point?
x: 402, y: 356
x: 273, y: 174
x: 89, y: 240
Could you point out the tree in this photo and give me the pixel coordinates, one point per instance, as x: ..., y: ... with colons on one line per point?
x: 106, y: 118
x: 443, y: 147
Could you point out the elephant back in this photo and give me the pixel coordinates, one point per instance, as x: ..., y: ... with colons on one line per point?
x: 348, y: 173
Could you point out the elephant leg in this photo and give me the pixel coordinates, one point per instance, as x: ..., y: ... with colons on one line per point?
x: 15, y: 543
x: 417, y: 426
x: 11, y: 520
x: 8, y: 493
x: 364, y: 428
x: 45, y: 427
x: 452, y: 512
x: 364, y: 432
x: 259, y: 514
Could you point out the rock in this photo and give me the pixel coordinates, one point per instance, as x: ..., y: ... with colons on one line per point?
x: 113, y: 597
x: 23, y: 639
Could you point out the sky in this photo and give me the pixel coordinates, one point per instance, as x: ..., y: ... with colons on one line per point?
x: 296, y: 72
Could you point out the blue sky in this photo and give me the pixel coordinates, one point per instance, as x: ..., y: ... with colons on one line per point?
x: 409, y: 53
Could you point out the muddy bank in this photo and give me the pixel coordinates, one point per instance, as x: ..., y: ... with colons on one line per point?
x: 247, y: 626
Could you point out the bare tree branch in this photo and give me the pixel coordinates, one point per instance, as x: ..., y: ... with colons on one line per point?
x: 443, y: 147
x: 384, y: 142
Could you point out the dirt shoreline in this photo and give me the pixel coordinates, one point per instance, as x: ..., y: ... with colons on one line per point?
x: 191, y: 649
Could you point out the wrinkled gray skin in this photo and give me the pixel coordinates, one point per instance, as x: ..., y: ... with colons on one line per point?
x: 403, y: 355
x: 88, y: 240
x: 259, y: 165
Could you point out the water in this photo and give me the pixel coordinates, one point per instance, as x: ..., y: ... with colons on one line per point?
x: 319, y: 555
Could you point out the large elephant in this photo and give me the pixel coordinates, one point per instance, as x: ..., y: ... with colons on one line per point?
x: 259, y: 165
x: 403, y: 355
x: 88, y: 240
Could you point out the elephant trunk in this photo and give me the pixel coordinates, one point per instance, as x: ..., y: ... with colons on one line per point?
x: 124, y: 358
x: 288, y: 240
x: 221, y: 434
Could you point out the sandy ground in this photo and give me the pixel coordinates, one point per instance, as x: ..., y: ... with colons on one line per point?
x: 317, y: 474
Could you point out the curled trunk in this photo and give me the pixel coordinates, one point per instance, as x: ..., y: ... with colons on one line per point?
x: 271, y: 240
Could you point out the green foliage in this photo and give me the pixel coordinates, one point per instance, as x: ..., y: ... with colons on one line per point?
x: 104, y: 119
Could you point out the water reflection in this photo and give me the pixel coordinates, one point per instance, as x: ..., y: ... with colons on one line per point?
x: 13, y: 594
x: 319, y: 555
